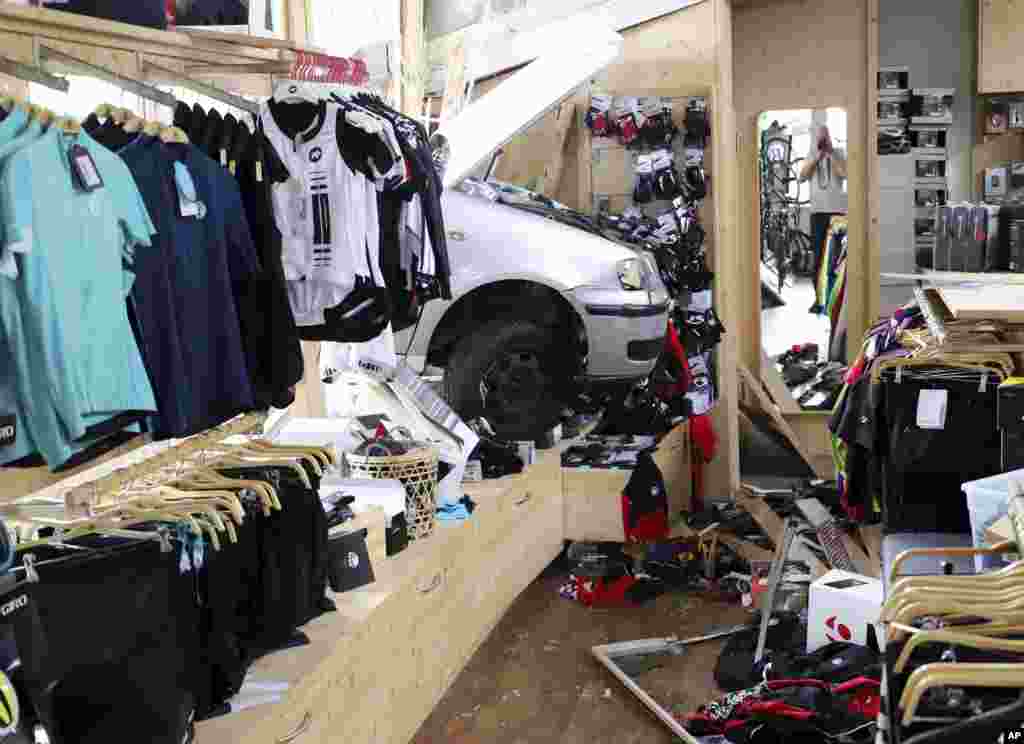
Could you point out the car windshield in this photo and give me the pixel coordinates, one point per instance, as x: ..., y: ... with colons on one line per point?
x: 531, y: 201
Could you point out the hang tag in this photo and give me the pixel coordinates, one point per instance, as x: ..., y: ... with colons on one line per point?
x: 233, y: 167
x: 931, y: 409
x: 84, y: 173
x: 259, y: 171
x: 899, y: 375
x: 189, y: 204
x: 224, y: 157
x: 8, y: 430
x: 983, y: 385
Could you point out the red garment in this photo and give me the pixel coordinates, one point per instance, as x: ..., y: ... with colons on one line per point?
x: 675, y: 356
x: 705, y: 442
x: 599, y: 592
x: 649, y: 527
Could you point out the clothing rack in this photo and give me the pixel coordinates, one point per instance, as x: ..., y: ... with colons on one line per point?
x: 51, y: 57
x: 33, y: 75
x: 103, y: 491
x: 210, y: 91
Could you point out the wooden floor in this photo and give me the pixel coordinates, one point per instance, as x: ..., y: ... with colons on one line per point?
x: 535, y: 682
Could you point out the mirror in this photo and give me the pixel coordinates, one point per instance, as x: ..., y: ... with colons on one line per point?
x: 803, y: 204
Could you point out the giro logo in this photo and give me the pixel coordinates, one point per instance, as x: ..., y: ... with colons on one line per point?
x: 10, y: 711
x: 352, y: 560
x: 15, y: 604
x: 8, y: 430
x: 316, y: 154
x: 833, y: 626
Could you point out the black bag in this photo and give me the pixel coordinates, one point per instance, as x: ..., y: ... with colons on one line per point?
x: 150, y: 13
x: 735, y: 668
x: 348, y: 560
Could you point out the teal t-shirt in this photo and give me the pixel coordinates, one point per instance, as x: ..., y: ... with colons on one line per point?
x: 74, y: 351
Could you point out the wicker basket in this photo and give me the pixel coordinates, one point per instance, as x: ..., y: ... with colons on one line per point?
x: 417, y: 470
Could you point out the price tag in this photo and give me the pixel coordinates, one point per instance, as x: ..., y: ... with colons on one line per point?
x: 84, y: 173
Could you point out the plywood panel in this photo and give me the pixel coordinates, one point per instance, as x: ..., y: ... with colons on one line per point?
x: 1000, y: 37
x: 993, y: 302
x: 671, y: 55
x: 825, y: 64
x: 721, y: 215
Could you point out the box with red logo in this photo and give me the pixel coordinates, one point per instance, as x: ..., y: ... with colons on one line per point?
x: 841, y: 607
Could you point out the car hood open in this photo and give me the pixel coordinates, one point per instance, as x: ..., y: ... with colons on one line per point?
x: 491, y: 121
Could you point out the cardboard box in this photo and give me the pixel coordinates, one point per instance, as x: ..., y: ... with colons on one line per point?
x: 842, y: 606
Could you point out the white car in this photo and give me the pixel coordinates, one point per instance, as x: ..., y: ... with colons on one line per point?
x: 542, y: 301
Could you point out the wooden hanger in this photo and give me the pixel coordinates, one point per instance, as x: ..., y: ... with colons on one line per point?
x: 954, y: 638
x: 235, y: 461
x: 135, y: 124
x: 952, y: 611
x: 1007, y: 546
x: 68, y: 125
x: 111, y: 520
x: 104, y: 111
x: 43, y: 115
x: 173, y: 135
x: 223, y: 498
x: 201, y: 479
x: 120, y: 115
x: 963, y: 595
x: 1006, y: 676
x: 152, y: 128
x: 324, y: 453
x: 291, y: 453
x: 1010, y: 575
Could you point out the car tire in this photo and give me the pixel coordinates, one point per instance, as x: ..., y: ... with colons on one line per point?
x: 515, y: 374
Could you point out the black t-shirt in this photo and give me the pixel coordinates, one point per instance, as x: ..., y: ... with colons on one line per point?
x: 150, y: 13
x: 273, y: 353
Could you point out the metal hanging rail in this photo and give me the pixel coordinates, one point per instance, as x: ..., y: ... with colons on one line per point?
x: 48, y: 56
x: 32, y: 74
x: 211, y: 91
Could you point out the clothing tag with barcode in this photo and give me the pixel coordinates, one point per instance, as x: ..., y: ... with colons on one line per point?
x: 931, y: 409
x: 83, y: 169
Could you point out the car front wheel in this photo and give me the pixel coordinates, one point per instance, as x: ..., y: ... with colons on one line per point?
x: 515, y: 374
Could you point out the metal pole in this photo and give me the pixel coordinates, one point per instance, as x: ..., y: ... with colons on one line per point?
x: 774, y: 579
x: 49, y: 56
x: 211, y: 91
x: 32, y: 74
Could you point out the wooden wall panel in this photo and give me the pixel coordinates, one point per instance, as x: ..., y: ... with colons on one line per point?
x: 722, y: 223
x: 796, y: 54
x: 676, y: 55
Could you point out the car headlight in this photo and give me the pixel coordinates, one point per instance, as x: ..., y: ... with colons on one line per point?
x: 634, y: 274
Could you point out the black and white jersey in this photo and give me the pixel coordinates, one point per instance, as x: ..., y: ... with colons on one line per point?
x: 326, y: 212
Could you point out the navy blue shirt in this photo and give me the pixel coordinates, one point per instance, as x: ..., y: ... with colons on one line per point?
x: 190, y: 321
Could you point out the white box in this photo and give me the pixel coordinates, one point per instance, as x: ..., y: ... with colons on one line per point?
x: 841, y: 607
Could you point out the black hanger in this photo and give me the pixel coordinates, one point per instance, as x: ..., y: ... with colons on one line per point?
x: 91, y: 123
x: 240, y: 146
x: 183, y: 118
x: 198, y: 130
x: 994, y: 720
x: 210, y: 143
x: 228, y: 132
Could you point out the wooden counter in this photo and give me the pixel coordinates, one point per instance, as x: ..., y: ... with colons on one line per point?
x: 376, y: 668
